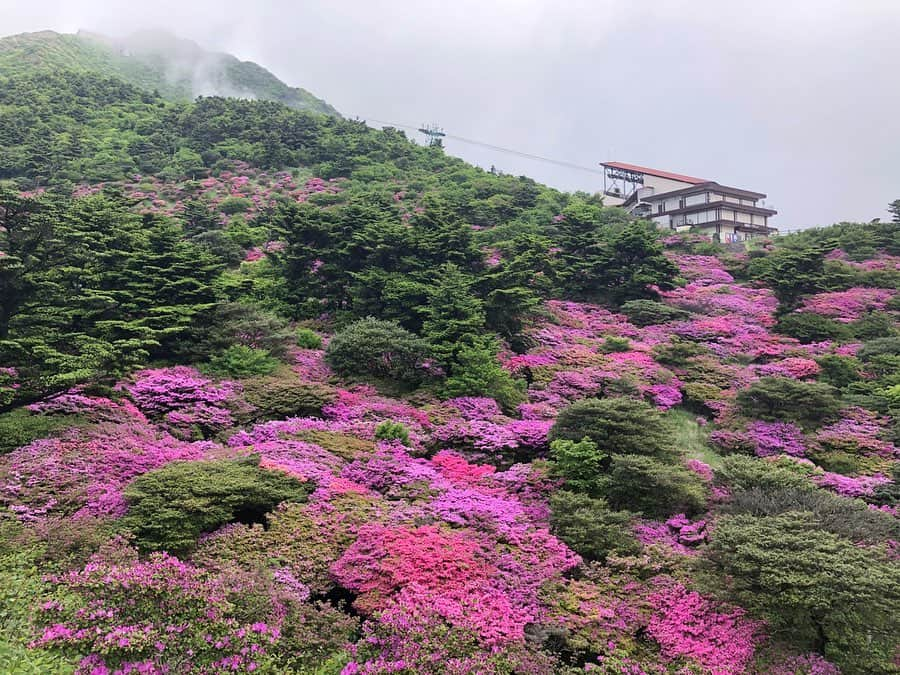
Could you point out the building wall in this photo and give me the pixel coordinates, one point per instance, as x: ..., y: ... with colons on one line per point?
x: 664, y: 184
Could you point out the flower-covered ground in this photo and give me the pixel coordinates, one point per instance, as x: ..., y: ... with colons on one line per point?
x: 435, y: 551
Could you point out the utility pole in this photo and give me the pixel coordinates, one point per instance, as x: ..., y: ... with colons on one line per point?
x: 435, y: 135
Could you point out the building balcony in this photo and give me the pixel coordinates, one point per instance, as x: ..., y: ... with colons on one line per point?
x: 737, y: 225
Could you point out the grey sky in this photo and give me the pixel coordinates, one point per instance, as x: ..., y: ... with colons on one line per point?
x: 796, y: 98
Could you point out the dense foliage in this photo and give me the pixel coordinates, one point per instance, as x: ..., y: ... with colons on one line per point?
x: 170, y: 507
x: 282, y: 393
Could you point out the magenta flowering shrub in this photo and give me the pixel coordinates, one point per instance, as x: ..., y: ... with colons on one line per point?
x: 665, y: 396
x: 455, y: 468
x: 479, y: 508
x: 804, y: 664
x: 410, y: 637
x: 859, y: 431
x: 310, y: 366
x: 776, y: 438
x: 362, y: 409
x: 678, y: 534
x: 688, y: 626
x: 475, y: 407
x: 83, y: 473
x: 764, y: 439
x: 847, y: 486
x: 392, y: 471
x: 477, y: 425
x: 93, y: 408
x: 184, y: 399
x: 849, y: 305
x: 702, y: 469
x: 157, y: 615
x: 437, y: 567
x: 493, y: 438
x: 796, y: 367
x: 519, y: 363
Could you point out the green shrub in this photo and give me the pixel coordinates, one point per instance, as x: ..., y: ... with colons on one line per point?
x: 782, y: 398
x: 650, y: 313
x: 392, y: 431
x: 746, y: 473
x: 620, y: 387
x: 170, y: 507
x: 839, y: 371
x: 476, y: 372
x: 616, y: 425
x: 888, y: 493
x: 372, y: 347
x: 589, y: 527
x: 848, y: 518
x: 837, y: 461
x: 233, y: 205
x: 239, y: 323
x: 881, y: 356
x: 308, y: 339
x: 824, y: 591
x: 808, y: 327
x: 242, y: 361
x: 677, y: 352
x: 19, y: 427
x: 581, y: 464
x: 278, y: 398
x: 656, y: 489
x: 878, y: 347
x: 892, y: 394
x: 873, y: 325
x: 696, y: 395
x: 614, y: 344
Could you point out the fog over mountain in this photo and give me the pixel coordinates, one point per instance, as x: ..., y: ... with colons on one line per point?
x: 793, y: 99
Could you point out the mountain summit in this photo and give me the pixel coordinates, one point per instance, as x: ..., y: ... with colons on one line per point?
x: 178, y: 69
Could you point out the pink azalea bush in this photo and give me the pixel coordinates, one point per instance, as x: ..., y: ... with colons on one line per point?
x: 152, y: 616
x: 83, y: 474
x: 184, y: 399
x: 847, y: 486
x: 678, y: 534
x: 849, y: 305
x: 442, y: 541
x: 776, y: 438
x: 686, y: 625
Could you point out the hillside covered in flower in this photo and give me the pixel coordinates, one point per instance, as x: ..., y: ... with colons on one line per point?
x: 281, y: 393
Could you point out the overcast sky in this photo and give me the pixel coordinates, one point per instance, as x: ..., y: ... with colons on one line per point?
x: 796, y: 98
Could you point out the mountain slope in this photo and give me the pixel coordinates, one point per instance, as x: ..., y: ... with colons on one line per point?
x: 208, y: 308
x: 153, y: 60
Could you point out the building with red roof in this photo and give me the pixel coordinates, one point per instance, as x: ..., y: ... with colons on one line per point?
x: 686, y: 203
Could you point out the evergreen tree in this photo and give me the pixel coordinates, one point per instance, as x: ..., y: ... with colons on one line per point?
x: 894, y: 208
x: 453, y: 314
x: 604, y: 253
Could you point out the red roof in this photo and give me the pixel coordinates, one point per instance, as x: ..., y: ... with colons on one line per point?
x: 655, y: 172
